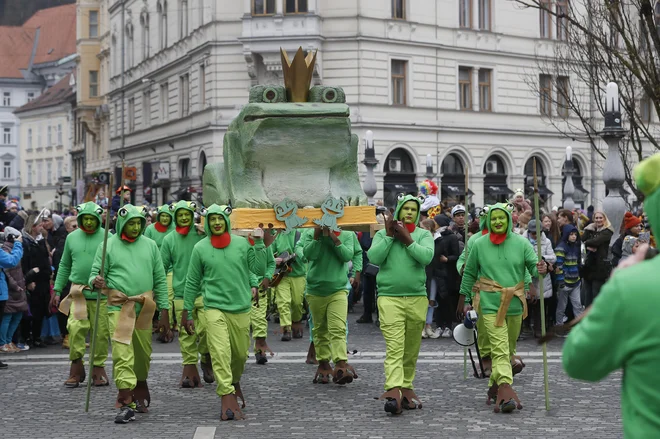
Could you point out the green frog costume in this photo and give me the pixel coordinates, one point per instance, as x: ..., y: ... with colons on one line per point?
x: 327, y: 297
x: 497, y: 261
x: 258, y: 321
x: 157, y: 231
x: 175, y: 251
x: 220, y: 271
x: 80, y: 305
x: 134, y: 278
x: 289, y: 294
x: 402, y: 300
x: 596, y: 347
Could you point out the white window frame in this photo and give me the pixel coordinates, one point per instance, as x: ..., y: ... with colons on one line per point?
x: 29, y: 174
x: 410, y: 101
x: 6, y: 99
x: 6, y: 169
x: 6, y: 136
x: 93, y: 25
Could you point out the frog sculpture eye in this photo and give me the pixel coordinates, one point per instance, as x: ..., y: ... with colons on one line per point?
x: 327, y: 95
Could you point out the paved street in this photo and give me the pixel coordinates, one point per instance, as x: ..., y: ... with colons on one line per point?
x: 283, y: 402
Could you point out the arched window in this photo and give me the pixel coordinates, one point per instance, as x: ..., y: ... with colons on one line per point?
x: 495, y: 181
x: 202, y: 164
x: 452, y: 165
x: 452, y: 187
x: 544, y: 192
x: 161, y: 7
x: 115, y: 57
x: 399, y: 176
x: 399, y: 161
x: 130, y: 48
x: 144, y: 21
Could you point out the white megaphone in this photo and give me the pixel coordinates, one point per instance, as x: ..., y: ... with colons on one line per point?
x: 464, y: 333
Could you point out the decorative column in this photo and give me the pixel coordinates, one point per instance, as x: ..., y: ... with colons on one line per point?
x: 614, y: 205
x: 569, y: 187
x: 369, y: 186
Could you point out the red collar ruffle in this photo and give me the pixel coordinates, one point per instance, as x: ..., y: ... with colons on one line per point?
x: 161, y: 228
x: 221, y: 241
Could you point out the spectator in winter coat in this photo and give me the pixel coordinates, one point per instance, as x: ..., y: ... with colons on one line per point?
x: 17, y: 299
x: 548, y: 256
x: 597, y: 267
x: 446, y: 253
x: 567, y: 273
x: 19, y: 221
x: 632, y: 226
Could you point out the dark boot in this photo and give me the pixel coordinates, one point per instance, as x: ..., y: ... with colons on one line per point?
x: 207, y: 368
x: 297, y: 329
x: 393, y: 403
x: 260, y: 350
x: 126, y: 413
x: 76, y: 374
x: 190, y: 377
x: 99, y: 376
x: 239, y: 394
x: 142, y: 397
x: 230, y: 409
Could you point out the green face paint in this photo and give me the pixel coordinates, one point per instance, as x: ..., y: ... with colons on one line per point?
x: 499, y: 221
x: 165, y: 219
x: 89, y: 222
x: 408, y: 212
x: 217, y: 224
x: 132, y: 228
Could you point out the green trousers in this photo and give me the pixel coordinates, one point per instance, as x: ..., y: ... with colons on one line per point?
x: 502, y: 346
x: 329, y: 332
x: 258, y: 316
x: 289, y: 296
x: 192, y: 346
x: 482, y: 336
x: 228, y: 337
x: 402, y: 319
x: 78, y: 330
x: 130, y: 362
x: 170, y: 296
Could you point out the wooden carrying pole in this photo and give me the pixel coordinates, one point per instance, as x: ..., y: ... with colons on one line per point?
x: 539, y: 237
x: 467, y: 227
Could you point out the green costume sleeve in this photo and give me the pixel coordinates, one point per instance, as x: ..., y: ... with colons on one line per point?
x: 470, y: 273
x: 257, y: 258
x: 527, y: 279
x: 96, y: 266
x: 270, y: 263
x: 63, y: 270
x: 596, y: 337
x: 193, y: 281
x: 380, y: 248
x: 311, y: 247
x: 166, y: 254
x: 160, y: 281
x: 531, y: 259
x: 357, y: 255
x: 254, y: 280
x: 344, y: 250
x: 423, y: 250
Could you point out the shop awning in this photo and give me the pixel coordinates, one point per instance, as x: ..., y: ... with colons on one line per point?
x: 498, y: 190
x: 542, y: 190
x: 456, y: 189
x: 402, y: 188
x: 581, y: 189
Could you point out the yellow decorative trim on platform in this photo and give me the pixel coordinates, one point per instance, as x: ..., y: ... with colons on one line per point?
x: 244, y: 218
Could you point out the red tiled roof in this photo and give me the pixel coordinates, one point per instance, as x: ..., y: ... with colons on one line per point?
x: 56, y: 95
x: 57, y: 39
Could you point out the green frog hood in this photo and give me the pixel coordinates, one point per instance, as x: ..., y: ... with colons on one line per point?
x: 403, y: 199
x: 127, y: 213
x: 89, y: 208
x: 165, y: 210
x: 190, y: 206
x: 506, y: 208
x: 218, y: 241
x: 647, y: 177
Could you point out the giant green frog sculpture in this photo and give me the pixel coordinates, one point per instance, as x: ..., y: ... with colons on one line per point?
x: 274, y: 149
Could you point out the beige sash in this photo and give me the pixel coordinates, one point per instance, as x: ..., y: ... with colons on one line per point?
x: 518, y: 291
x: 75, y: 296
x: 127, y: 322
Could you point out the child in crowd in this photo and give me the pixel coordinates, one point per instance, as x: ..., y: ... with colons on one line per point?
x: 568, y: 273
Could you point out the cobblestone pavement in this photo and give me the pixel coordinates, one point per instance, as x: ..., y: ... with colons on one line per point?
x: 283, y: 402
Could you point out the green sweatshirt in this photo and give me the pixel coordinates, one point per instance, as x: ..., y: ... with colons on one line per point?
x: 327, y: 262
x: 222, y: 275
x: 482, y: 226
x: 177, y: 249
x: 617, y: 334
x: 132, y: 267
x: 153, y: 233
x: 286, y: 242
x: 503, y: 263
x: 79, y: 251
x: 402, y: 268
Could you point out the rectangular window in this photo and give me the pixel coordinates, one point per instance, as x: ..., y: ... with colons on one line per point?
x: 297, y: 6
x: 6, y: 99
x: 93, y: 83
x: 545, y: 94
x: 29, y: 174
x: 6, y: 170
x: 49, y: 136
x: 545, y: 18
x: 399, y: 95
x: 645, y: 109
x: 59, y: 170
x: 465, y: 88
x: 146, y: 109
x: 184, y: 95
x: 131, y: 115
x: 465, y: 13
x: 59, y: 135
x: 399, y: 9
x: 164, y: 102
x: 30, y: 96
x: 563, y: 95
x: 40, y: 173
x: 93, y: 24
x: 183, y: 19
x: 484, y: 90
x: 29, y: 136
x: 6, y: 136
x: 202, y: 87
x: 39, y: 144
x: 263, y: 7
x: 184, y: 165
x: 484, y: 15
x: 562, y: 21
x: 49, y: 173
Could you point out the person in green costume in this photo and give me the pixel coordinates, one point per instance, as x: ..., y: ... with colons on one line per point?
x: 328, y: 253
x: 402, y: 251
x: 176, y: 250
x: 80, y: 305
x: 133, y: 277
x: 220, y: 270
x: 258, y: 313
x: 595, y: 347
x: 482, y: 336
x: 497, y: 261
x: 157, y: 231
x: 289, y: 293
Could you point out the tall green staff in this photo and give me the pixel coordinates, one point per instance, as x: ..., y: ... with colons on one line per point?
x: 98, y: 299
x: 540, y: 254
x: 467, y: 227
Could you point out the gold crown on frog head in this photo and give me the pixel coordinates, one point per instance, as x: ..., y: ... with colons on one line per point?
x: 298, y: 74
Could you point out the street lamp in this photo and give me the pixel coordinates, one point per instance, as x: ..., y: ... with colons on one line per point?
x: 569, y: 187
x: 614, y: 175
x: 370, y: 187
x: 429, y: 167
